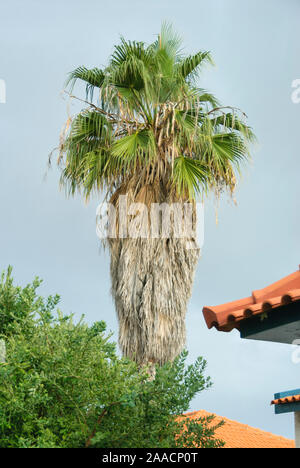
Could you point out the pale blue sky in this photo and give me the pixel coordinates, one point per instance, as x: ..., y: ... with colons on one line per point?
x: 255, y: 46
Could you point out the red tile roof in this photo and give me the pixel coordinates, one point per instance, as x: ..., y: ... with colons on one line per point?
x: 284, y: 401
x: 237, y: 435
x: 225, y: 317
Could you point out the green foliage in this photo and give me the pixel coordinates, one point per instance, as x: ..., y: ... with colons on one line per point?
x: 63, y: 385
x: 19, y: 304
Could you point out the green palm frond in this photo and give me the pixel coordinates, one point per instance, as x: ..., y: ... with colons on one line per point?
x: 89, y: 131
x: 97, y: 169
x: 91, y: 125
x: 189, y: 177
x: 93, y: 78
x: 137, y: 147
x: 231, y: 121
x: 169, y: 41
x: 228, y: 147
x: 131, y: 73
x: 88, y: 174
x: 127, y: 49
x: 192, y: 64
x: 207, y: 98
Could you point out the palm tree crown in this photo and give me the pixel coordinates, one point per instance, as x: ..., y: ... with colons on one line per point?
x: 151, y: 123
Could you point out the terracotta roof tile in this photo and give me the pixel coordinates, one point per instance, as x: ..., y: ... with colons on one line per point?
x: 237, y: 435
x: 227, y: 316
x: 284, y: 401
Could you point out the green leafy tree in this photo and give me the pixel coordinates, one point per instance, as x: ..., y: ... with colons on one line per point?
x: 63, y: 385
x: 150, y: 133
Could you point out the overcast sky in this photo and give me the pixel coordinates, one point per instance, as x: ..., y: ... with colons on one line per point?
x: 255, y: 45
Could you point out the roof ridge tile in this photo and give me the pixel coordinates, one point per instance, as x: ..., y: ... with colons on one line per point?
x: 227, y: 316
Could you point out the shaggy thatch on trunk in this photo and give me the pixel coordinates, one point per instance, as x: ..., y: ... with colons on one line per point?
x: 152, y: 278
x: 151, y: 285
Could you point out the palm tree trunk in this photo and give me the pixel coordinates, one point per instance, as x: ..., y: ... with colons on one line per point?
x: 151, y: 284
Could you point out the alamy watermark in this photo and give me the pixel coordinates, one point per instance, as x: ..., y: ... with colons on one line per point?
x: 295, y: 96
x: 123, y: 220
x: 2, y: 92
x: 296, y: 352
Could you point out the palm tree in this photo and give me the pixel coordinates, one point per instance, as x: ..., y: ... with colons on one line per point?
x: 155, y: 136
